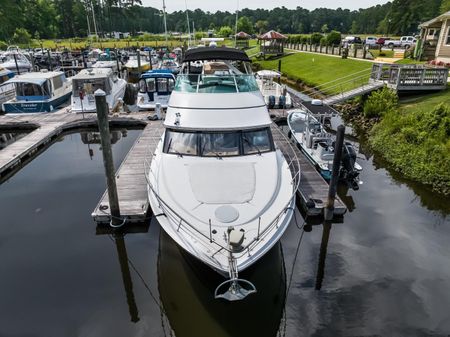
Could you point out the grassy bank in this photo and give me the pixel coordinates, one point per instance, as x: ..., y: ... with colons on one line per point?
x: 328, y: 72
x: 415, y: 139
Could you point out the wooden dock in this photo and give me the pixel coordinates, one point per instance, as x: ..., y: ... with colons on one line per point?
x: 130, y: 179
x: 46, y: 128
x: 313, y: 189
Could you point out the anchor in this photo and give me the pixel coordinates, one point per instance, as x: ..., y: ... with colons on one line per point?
x: 239, y: 288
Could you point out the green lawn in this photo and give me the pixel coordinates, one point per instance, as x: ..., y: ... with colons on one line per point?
x: 323, y: 70
x: 384, y: 53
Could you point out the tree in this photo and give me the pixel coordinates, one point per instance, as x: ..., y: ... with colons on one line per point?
x: 244, y: 24
x: 261, y: 26
x: 225, y: 31
x: 21, y: 36
x: 324, y: 29
x: 445, y: 6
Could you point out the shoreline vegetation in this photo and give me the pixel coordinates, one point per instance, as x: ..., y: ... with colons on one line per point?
x: 412, y: 134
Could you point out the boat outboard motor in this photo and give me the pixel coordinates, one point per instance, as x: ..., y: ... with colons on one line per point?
x: 282, y: 102
x: 271, y: 102
x: 349, y: 174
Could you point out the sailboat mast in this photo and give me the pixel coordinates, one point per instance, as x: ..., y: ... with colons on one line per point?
x: 93, y: 18
x: 235, y: 27
x: 188, y: 24
x: 165, y: 21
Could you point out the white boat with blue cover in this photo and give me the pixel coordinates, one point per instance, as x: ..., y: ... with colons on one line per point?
x: 217, y: 183
x: 275, y: 94
x: 41, y: 91
x: 155, y: 86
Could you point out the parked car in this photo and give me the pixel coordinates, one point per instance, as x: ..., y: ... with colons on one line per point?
x: 405, y: 42
x: 351, y: 40
x: 381, y: 40
x: 370, y: 41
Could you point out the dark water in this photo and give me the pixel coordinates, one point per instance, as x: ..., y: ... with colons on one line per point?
x: 384, y: 271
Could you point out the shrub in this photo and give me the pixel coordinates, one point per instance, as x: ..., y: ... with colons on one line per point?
x: 21, y: 36
x: 380, y: 102
x: 3, y: 45
x: 315, y: 38
x: 334, y: 38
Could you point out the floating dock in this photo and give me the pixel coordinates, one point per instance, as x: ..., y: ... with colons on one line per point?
x: 313, y: 189
x: 130, y: 179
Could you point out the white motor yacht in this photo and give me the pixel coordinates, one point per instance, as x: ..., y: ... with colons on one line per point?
x: 217, y: 183
x: 87, y: 81
x: 108, y: 60
x: 15, y: 60
x: 275, y: 94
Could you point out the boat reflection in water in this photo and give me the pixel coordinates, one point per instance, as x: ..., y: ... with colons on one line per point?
x: 185, y: 287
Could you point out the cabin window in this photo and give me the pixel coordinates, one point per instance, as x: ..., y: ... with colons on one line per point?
x: 181, y: 143
x: 171, y: 84
x: 151, y: 84
x: 448, y: 36
x: 220, y: 144
x: 162, y: 85
x: 256, y: 141
x: 28, y: 89
x: 57, y: 82
x: 90, y: 86
x: 142, y: 87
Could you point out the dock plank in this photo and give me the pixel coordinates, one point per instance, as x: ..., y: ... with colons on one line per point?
x: 312, y: 186
x: 130, y: 179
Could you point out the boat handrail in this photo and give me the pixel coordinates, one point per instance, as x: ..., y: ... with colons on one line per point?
x: 293, y: 164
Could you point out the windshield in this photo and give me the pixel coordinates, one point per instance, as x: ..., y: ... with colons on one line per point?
x: 218, y: 143
x: 216, y: 83
x: 29, y: 90
x: 89, y: 86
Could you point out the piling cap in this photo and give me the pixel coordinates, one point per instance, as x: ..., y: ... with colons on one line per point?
x: 99, y: 92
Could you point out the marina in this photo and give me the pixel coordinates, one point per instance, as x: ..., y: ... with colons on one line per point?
x: 155, y: 182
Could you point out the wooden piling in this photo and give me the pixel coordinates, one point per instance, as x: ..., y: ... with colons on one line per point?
x: 329, y: 209
x: 103, y: 126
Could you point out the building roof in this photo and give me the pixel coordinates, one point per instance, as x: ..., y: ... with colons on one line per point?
x: 272, y: 35
x: 215, y: 53
x: 438, y: 19
x: 242, y: 35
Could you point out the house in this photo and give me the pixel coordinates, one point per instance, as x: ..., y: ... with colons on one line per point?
x: 120, y: 35
x: 435, y: 39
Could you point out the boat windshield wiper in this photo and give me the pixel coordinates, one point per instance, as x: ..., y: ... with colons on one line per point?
x: 252, y: 145
x: 179, y: 154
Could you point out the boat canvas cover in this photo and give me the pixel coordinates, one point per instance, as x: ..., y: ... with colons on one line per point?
x: 215, y: 53
x: 37, y: 81
x: 162, y: 73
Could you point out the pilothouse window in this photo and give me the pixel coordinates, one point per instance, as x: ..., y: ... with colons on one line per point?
x: 218, y: 144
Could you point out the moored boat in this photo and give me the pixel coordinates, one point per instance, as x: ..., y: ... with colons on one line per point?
x: 38, y: 92
x: 155, y: 86
x: 217, y: 183
x: 7, y: 90
x: 275, y: 94
x: 318, y: 146
x: 135, y: 68
x: 15, y: 60
x: 87, y: 81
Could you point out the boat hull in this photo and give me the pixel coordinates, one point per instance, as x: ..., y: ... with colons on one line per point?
x: 35, y: 106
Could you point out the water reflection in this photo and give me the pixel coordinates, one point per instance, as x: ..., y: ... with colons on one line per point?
x: 186, y: 287
x: 9, y: 138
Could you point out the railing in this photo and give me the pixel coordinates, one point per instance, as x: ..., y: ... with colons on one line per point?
x: 214, y: 83
x: 397, y: 76
x: 183, y: 224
